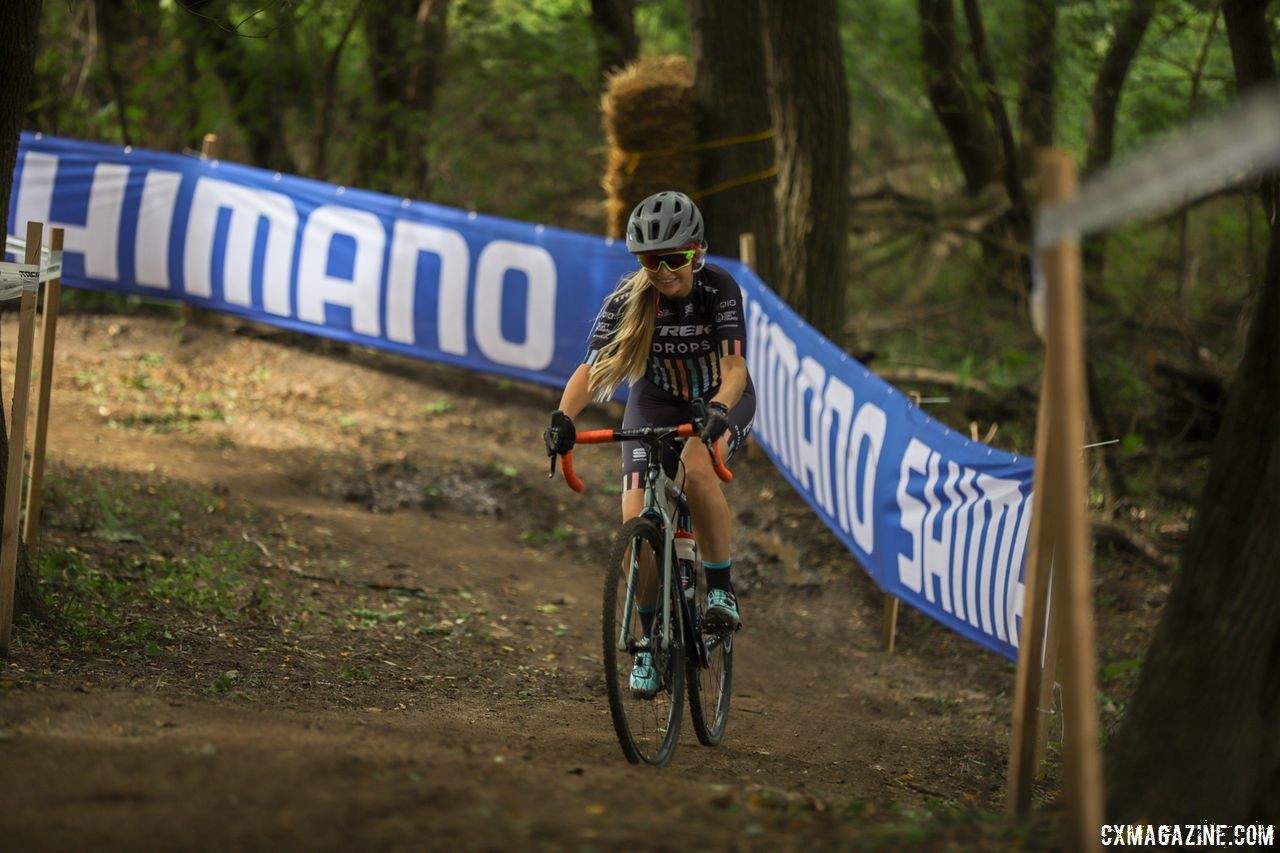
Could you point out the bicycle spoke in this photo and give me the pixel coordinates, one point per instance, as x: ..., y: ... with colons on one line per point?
x: 647, y: 728
x: 709, y: 686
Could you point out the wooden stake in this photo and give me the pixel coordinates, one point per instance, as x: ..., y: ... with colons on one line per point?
x: 1026, y: 693
x: 208, y: 151
x: 1048, y: 678
x: 889, y: 615
x: 747, y: 249
x: 1061, y: 264
x: 48, y: 334
x: 17, y: 446
x: 889, y: 626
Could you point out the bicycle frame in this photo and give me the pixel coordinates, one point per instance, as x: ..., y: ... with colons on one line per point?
x: 660, y: 504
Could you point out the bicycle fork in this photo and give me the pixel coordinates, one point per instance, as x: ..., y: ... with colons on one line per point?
x: 664, y: 582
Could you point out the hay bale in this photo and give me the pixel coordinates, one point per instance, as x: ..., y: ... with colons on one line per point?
x: 649, y: 110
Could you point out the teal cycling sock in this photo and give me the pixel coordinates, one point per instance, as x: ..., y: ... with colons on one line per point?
x: 718, y: 575
x: 646, y: 617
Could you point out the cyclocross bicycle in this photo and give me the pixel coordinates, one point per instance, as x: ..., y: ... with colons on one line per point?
x: 682, y: 646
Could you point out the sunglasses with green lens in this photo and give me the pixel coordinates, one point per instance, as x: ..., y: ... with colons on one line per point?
x: 676, y: 260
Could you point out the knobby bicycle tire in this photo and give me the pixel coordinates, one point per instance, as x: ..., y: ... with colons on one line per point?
x: 710, y: 687
x: 647, y: 729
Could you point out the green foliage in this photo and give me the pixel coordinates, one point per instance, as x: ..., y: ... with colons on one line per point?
x: 1157, y: 94
x: 515, y: 131
x: 1115, y: 670
x: 517, y: 126
x: 888, y: 107
x: 662, y: 27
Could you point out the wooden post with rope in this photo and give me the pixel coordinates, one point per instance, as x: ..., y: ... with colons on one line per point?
x: 48, y: 335
x: 1063, y: 533
x: 17, y: 443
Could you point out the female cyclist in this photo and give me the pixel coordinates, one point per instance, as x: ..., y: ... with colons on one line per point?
x: 674, y: 330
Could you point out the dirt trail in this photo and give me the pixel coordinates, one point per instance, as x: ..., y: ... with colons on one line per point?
x: 411, y: 660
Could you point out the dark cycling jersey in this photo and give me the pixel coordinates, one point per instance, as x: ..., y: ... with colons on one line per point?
x: 690, y: 335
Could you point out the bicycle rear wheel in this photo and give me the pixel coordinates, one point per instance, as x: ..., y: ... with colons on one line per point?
x: 647, y: 729
x: 710, y: 686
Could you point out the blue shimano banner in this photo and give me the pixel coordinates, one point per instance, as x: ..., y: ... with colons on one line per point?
x: 490, y: 294
x: 938, y: 520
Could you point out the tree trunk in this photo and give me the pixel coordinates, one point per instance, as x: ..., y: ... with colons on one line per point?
x: 256, y: 103
x: 809, y: 99
x: 1018, y: 221
x: 614, y: 25
x: 18, y: 44
x: 731, y: 86
x: 1200, y: 740
x: 1186, y: 256
x: 976, y: 148
x: 406, y: 42
x: 425, y: 66
x: 1104, y: 104
x: 1103, y: 108
x: 384, y: 25
x: 952, y: 97
x: 320, y: 168
x: 111, y: 30
x: 1036, y: 104
x: 1247, y: 30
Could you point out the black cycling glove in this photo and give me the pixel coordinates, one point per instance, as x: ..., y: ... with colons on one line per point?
x: 710, y: 419
x: 561, y: 435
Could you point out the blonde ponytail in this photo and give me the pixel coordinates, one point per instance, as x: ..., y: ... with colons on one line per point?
x: 624, y: 357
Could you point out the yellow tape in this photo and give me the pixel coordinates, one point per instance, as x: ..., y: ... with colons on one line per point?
x: 634, y: 157
x: 735, y: 182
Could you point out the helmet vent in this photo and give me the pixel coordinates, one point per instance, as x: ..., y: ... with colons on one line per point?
x: 666, y: 220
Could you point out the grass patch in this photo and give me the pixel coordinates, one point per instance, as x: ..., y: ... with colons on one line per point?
x: 940, y: 825
x: 119, y: 508
x: 171, y: 419
x: 111, y: 605
x: 437, y: 407
x: 544, y: 537
x: 362, y: 618
x: 204, y: 584
x: 90, y: 605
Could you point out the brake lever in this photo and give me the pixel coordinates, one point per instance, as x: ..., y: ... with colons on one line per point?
x: 717, y: 463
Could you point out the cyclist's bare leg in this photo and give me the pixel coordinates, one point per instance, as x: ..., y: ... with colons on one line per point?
x: 707, y: 503
x: 647, y: 577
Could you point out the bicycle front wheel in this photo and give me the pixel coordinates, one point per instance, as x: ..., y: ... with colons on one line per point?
x: 648, y: 726
x: 709, y: 685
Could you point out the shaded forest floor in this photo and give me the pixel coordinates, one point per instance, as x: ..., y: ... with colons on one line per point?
x: 308, y: 596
